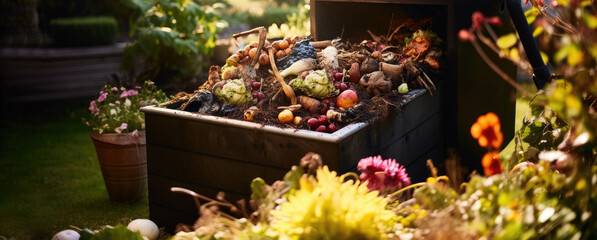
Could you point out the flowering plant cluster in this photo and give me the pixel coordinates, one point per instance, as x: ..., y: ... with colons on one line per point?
x: 383, y: 175
x: 116, y: 110
x: 488, y: 132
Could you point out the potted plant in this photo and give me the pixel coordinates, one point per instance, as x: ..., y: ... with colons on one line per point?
x: 119, y: 138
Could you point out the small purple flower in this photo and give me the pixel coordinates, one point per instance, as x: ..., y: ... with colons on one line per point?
x: 102, y: 97
x: 122, y: 127
x: 138, y: 87
x: 128, y: 93
x: 93, y: 107
x: 117, y: 102
x: 143, y: 103
x: 114, y: 89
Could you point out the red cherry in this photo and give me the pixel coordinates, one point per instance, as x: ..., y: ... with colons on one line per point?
x: 321, y: 128
x: 313, y: 123
x: 254, y: 94
x: 337, y: 85
x: 343, y: 86
x: 323, y: 120
x: 256, y: 85
x: 338, y: 77
x: 332, y: 128
x: 260, y: 96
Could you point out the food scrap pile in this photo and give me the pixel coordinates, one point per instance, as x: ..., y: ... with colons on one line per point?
x: 317, y: 85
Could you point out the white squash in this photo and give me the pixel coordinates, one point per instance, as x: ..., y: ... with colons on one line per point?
x: 145, y: 227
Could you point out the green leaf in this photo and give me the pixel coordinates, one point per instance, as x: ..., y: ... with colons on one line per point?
x: 143, y: 5
x: 258, y: 191
x: 538, y: 31
x: 531, y: 14
x: 575, y: 55
x: 119, y: 232
x: 293, y: 177
x: 507, y: 41
x: 593, y: 50
x: 544, y: 57
x: 589, y: 20
x: 561, y: 54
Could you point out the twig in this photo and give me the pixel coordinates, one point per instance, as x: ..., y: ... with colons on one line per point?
x: 497, y: 70
x: 395, y: 31
x: 500, y: 53
x: 287, y: 89
x: 262, y: 36
x: 490, y: 30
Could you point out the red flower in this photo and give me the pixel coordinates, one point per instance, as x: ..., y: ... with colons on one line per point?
x: 495, y: 21
x: 488, y: 131
x: 464, y: 35
x: 478, y: 20
x: 491, y: 163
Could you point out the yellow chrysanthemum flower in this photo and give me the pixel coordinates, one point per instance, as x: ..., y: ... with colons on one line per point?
x: 329, y: 208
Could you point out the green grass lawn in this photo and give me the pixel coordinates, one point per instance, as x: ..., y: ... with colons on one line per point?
x: 50, y: 179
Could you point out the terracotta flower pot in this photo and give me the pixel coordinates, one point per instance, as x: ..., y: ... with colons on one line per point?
x: 123, y: 160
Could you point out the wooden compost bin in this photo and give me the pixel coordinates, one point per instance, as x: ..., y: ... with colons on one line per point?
x: 208, y: 154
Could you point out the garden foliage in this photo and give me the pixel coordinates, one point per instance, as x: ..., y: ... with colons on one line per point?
x: 173, y: 37
x: 83, y: 31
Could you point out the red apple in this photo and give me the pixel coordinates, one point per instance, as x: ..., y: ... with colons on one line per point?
x: 347, y: 99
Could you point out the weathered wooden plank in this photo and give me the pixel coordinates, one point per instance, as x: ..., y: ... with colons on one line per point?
x: 61, y: 53
x: 244, y: 145
x: 409, y: 117
x: 161, y: 194
x: 206, y: 170
x: 416, y: 142
x: 417, y: 170
x: 167, y: 217
x: 45, y: 74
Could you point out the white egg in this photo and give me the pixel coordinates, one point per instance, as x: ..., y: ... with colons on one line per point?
x: 145, y: 227
x: 67, y: 235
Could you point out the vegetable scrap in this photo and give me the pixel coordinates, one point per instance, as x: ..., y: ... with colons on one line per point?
x: 342, y: 81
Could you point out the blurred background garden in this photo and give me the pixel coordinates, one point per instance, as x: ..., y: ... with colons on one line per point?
x: 61, y: 59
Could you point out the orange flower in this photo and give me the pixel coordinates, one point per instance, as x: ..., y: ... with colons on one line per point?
x: 491, y: 163
x: 488, y: 131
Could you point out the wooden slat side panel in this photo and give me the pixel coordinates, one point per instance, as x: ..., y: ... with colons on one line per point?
x: 417, y: 170
x: 361, y: 144
x: 167, y: 217
x: 417, y: 142
x: 207, y: 170
x: 252, y: 146
x: 409, y: 117
x: 159, y: 193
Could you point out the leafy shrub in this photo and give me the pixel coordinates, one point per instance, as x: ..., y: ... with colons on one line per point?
x: 271, y: 16
x: 173, y: 36
x: 18, y: 23
x: 84, y: 31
